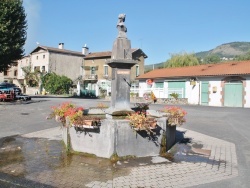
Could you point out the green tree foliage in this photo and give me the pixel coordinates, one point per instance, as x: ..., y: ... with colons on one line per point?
x: 243, y: 57
x: 211, y: 59
x: 56, y: 84
x: 13, y: 27
x: 182, y: 60
x: 32, y: 78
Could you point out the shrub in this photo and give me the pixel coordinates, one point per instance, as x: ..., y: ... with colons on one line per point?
x: 56, y: 84
x: 176, y: 115
x: 174, y: 95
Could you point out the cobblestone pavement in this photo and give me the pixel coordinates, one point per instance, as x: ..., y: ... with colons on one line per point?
x: 40, y: 157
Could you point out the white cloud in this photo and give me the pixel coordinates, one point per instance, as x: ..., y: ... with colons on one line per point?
x: 32, y: 10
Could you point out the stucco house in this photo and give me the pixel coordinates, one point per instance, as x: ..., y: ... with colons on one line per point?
x: 97, y: 74
x: 222, y: 84
x: 10, y: 75
x: 58, y: 60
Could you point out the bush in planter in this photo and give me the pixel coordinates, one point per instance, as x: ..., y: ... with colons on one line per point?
x: 176, y: 115
x: 139, y: 121
x: 58, y: 112
x: 174, y: 95
x: 76, y: 118
x: 73, y: 114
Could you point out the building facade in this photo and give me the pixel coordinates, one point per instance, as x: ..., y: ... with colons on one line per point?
x: 48, y: 59
x: 222, y: 84
x: 97, y: 74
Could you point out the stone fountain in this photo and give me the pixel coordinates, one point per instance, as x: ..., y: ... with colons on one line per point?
x: 115, y: 136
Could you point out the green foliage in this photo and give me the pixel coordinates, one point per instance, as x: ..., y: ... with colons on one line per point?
x: 241, y: 46
x: 182, y: 60
x: 243, y: 57
x: 56, y: 84
x: 174, y: 95
x: 31, y: 78
x: 13, y: 27
x: 211, y: 58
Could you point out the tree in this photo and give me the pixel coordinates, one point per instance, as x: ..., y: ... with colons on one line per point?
x: 182, y: 60
x: 32, y: 78
x: 13, y: 27
x: 56, y: 84
x: 210, y: 59
x: 243, y: 57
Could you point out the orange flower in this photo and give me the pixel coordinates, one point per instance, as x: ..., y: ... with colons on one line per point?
x: 176, y: 115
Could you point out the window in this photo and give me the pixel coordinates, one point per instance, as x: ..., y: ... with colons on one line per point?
x: 159, y: 84
x: 15, y: 72
x: 43, y: 68
x: 137, y: 70
x: 37, y: 68
x: 106, y: 70
x: 43, y: 56
x: 36, y: 57
x: 5, y: 73
x: 92, y: 70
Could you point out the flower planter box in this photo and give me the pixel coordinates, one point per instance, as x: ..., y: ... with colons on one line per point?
x: 89, y: 124
x: 117, y: 137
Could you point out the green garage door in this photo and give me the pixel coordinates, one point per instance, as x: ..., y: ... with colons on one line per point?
x: 233, y: 94
x: 204, y: 93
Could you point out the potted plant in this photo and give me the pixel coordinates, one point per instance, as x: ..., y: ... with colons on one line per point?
x: 58, y: 112
x: 76, y: 118
x: 176, y: 115
x: 174, y: 95
x: 139, y: 121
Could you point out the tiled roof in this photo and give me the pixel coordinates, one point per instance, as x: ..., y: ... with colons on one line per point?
x: 98, y: 55
x: 221, y: 69
x: 107, y: 54
x: 57, y: 50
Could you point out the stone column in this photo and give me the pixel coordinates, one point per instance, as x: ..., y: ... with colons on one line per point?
x: 121, y: 62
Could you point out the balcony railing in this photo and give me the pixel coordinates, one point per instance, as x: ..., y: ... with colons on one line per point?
x: 105, y: 76
x: 91, y: 77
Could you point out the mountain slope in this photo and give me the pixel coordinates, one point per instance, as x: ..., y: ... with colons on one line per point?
x: 228, y: 50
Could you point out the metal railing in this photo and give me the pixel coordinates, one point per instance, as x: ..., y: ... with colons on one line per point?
x: 159, y: 92
x: 91, y: 77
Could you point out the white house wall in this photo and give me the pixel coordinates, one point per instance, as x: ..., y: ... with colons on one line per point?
x: 24, y: 62
x: 192, y: 92
x: 215, y: 91
x: 247, y: 90
x: 40, y: 59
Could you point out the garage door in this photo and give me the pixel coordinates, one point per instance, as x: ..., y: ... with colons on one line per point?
x: 233, y: 94
x: 204, y: 93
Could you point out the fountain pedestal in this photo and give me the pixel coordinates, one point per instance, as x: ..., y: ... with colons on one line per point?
x: 121, y: 63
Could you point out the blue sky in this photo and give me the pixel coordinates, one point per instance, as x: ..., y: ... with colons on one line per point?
x: 159, y: 27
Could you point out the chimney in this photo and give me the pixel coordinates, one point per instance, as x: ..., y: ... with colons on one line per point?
x: 85, y: 50
x: 61, y: 46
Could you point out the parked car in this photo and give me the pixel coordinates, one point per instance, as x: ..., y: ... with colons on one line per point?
x: 4, y: 86
x: 22, y: 97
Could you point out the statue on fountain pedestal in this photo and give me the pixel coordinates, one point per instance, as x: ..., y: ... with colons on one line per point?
x: 122, y: 29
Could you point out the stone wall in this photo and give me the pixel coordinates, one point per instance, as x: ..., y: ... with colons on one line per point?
x: 117, y: 137
x: 159, y: 100
x: 32, y: 90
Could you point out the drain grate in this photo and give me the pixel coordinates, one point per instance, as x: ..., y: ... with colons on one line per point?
x: 24, y: 114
